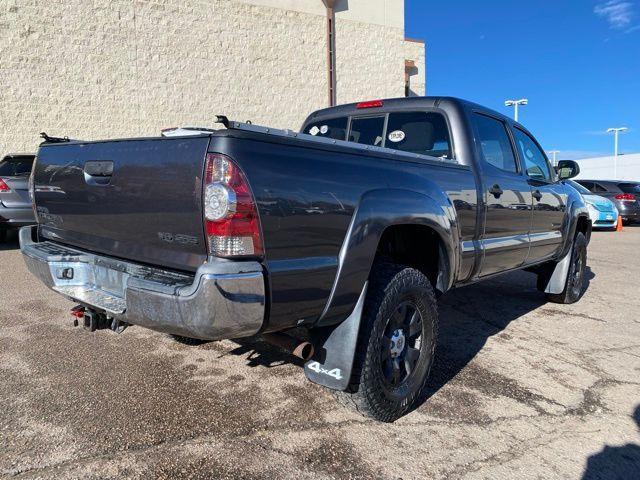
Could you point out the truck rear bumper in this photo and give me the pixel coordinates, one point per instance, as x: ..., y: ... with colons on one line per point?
x: 224, y: 299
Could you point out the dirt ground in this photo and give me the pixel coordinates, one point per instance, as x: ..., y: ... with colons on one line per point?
x: 520, y: 389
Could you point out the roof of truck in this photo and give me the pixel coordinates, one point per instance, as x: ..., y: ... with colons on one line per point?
x: 402, y: 102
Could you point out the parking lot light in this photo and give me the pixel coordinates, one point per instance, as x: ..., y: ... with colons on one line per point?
x: 515, y: 104
x: 616, y: 132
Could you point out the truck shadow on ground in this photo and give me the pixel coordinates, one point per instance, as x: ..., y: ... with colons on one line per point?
x: 468, y: 317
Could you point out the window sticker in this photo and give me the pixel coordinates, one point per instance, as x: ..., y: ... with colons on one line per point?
x: 324, y: 129
x: 396, y: 136
x: 314, y: 130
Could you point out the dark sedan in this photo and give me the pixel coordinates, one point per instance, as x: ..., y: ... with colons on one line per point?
x: 15, y: 204
x: 625, y: 194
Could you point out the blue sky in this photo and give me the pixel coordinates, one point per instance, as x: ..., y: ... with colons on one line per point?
x: 578, y: 63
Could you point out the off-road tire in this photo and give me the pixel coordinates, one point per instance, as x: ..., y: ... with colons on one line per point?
x: 391, y: 285
x: 574, y: 283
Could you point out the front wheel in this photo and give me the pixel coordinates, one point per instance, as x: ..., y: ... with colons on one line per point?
x: 574, y: 283
x: 396, y: 343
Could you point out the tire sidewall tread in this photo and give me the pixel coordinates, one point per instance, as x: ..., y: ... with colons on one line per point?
x: 388, y: 282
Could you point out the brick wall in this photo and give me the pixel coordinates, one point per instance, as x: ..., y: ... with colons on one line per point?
x: 99, y: 69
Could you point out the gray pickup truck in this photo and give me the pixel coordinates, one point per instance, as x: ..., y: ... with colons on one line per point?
x: 349, y: 230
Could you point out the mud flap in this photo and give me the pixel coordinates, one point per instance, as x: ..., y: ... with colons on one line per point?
x: 558, y: 278
x: 335, y: 350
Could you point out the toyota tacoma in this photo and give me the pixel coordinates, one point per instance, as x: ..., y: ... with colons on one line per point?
x: 348, y: 229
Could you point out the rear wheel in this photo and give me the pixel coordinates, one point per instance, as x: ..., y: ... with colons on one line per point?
x: 3, y: 235
x: 574, y: 283
x: 396, y: 343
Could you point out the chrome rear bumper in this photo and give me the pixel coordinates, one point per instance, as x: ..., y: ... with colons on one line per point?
x: 224, y: 299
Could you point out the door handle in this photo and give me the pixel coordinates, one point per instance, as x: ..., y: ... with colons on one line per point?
x: 496, y: 191
x: 537, y: 195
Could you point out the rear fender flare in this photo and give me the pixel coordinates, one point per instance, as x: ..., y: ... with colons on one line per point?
x: 378, y: 210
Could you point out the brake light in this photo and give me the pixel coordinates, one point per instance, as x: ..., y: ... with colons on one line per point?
x: 626, y: 197
x: 231, y: 218
x: 4, y: 187
x: 369, y: 104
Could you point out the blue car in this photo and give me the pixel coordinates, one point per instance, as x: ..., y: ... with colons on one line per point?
x: 602, y: 211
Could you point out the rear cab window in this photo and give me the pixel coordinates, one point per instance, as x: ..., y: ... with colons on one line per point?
x: 420, y: 132
x: 335, y: 128
x: 367, y: 130
x: 16, y: 166
x: 425, y: 133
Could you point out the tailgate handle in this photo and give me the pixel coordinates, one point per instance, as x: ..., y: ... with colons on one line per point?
x: 98, y: 172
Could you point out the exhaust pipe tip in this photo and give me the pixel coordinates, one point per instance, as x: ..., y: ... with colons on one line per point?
x: 304, y: 351
x: 300, y: 349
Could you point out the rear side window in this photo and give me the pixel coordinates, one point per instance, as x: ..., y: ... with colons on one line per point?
x: 597, y: 188
x: 633, y: 188
x: 335, y: 128
x: 495, y: 144
x: 15, y: 166
x: 425, y: 133
x: 367, y: 130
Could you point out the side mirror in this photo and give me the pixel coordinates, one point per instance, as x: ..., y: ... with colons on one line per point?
x: 567, y: 169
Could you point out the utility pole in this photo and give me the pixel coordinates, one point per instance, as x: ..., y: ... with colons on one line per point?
x: 331, y: 50
x: 554, y: 153
x: 615, y: 132
x: 515, y: 104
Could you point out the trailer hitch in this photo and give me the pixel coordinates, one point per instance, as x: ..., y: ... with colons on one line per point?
x: 92, y: 320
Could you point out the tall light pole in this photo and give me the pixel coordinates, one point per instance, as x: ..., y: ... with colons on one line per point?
x: 615, y: 132
x: 515, y: 104
x: 554, y: 153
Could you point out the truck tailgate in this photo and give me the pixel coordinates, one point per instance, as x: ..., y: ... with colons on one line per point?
x: 135, y: 199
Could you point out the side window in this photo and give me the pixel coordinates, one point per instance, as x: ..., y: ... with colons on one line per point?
x: 425, y: 133
x: 495, y: 144
x: 598, y: 188
x: 535, y: 163
x: 335, y: 128
x: 367, y: 130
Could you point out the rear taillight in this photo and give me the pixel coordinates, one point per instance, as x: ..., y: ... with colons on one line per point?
x: 231, y: 219
x: 626, y: 197
x: 4, y: 187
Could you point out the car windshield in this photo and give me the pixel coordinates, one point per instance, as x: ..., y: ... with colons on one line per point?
x: 15, y: 166
x: 579, y: 187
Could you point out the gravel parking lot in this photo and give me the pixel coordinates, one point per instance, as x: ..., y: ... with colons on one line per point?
x: 521, y: 389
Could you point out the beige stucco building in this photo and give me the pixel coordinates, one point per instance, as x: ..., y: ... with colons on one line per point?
x: 97, y: 69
